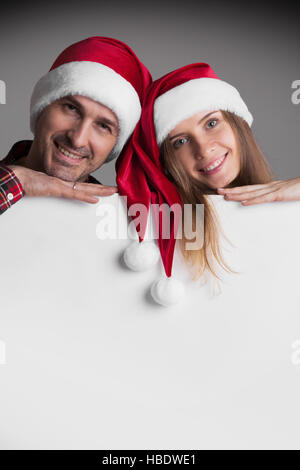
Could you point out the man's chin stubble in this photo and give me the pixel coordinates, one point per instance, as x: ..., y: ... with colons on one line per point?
x: 63, y: 175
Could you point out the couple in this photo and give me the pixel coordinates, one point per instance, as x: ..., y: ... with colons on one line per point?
x: 177, y: 139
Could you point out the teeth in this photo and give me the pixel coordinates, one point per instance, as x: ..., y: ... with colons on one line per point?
x: 214, y: 165
x: 68, y: 154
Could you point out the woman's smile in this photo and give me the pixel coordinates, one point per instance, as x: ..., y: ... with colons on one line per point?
x: 214, y: 166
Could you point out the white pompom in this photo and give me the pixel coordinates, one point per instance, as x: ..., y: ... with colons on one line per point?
x: 141, y: 256
x: 167, y: 291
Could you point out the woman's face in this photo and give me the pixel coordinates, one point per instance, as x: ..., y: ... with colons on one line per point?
x: 206, y: 146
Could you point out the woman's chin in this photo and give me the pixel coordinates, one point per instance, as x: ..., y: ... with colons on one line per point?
x: 217, y: 183
x: 221, y: 181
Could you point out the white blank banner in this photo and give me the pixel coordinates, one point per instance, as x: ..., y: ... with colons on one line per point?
x: 89, y: 361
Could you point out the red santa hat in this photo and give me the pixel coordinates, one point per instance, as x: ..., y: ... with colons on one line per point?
x: 103, y: 69
x: 171, y: 99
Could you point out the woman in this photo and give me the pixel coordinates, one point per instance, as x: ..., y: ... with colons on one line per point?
x: 193, y: 140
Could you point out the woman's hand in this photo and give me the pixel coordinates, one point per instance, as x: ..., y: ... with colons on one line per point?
x: 36, y: 183
x: 284, y: 190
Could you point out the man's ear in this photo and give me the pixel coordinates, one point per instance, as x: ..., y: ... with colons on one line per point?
x: 112, y: 155
x: 37, y: 122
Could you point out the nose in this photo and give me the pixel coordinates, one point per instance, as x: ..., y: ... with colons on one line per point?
x: 205, y: 147
x: 79, y: 134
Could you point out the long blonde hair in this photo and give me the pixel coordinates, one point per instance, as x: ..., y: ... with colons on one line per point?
x: 254, y: 169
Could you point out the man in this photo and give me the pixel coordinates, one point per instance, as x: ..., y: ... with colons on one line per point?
x: 82, y: 112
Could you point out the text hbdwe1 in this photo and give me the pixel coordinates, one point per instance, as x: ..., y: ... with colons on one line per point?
x: 149, y: 459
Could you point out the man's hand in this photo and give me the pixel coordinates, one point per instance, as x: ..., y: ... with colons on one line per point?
x: 36, y: 183
x: 288, y: 190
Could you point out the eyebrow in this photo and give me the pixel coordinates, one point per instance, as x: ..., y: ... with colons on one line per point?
x: 113, y: 124
x: 202, y: 119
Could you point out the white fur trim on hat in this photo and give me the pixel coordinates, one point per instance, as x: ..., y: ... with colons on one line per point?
x: 95, y: 81
x: 191, y: 97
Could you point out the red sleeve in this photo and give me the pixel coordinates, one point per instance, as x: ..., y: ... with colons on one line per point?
x: 10, y: 188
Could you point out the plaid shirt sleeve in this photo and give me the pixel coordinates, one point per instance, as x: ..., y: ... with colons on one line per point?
x: 10, y: 188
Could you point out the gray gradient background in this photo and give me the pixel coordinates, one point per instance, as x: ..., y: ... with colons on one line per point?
x: 254, y: 48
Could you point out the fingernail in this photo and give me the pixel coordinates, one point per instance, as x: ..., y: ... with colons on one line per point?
x: 221, y: 189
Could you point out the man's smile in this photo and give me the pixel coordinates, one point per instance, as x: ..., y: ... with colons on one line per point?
x: 67, y: 155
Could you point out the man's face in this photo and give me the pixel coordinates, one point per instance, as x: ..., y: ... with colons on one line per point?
x: 74, y: 136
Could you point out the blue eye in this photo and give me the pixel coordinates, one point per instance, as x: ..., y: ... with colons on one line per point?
x: 213, y: 122
x: 179, y: 142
